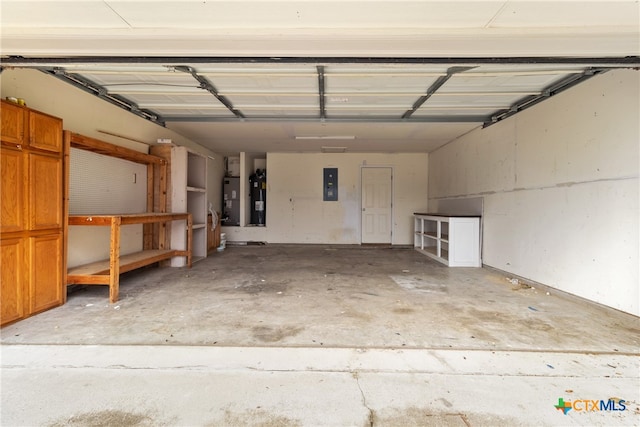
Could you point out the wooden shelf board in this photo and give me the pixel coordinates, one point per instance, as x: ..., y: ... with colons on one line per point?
x: 127, y: 263
x: 101, y: 147
x: 125, y: 219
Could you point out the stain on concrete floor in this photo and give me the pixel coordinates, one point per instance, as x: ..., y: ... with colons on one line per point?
x: 414, y: 416
x: 254, y: 418
x: 418, y: 417
x: 107, y: 418
x: 273, y: 335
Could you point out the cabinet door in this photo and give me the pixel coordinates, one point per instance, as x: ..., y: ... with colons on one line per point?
x: 12, y: 189
x: 45, y: 259
x: 45, y: 132
x: 12, y: 130
x: 11, y: 279
x: 45, y: 191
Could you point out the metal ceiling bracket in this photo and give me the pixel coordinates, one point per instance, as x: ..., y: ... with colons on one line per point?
x: 102, y: 93
x: 321, y: 95
x: 546, y: 93
x: 433, y: 88
x: 209, y: 87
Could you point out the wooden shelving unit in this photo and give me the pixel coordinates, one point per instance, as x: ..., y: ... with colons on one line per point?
x: 157, y: 245
x: 186, y: 192
x: 451, y: 240
x: 107, y: 272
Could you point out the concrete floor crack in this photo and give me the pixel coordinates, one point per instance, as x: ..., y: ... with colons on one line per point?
x: 371, y: 417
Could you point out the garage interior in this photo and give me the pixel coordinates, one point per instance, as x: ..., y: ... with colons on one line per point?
x: 521, y: 114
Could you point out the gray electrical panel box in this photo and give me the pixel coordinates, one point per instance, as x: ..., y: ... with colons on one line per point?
x: 330, y: 185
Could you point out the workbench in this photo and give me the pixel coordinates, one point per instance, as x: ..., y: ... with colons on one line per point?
x: 107, y: 272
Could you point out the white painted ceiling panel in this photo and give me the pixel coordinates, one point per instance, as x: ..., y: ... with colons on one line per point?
x: 366, y: 113
x: 171, y: 99
x: 487, y: 98
x: 60, y: 14
x: 388, y: 83
x: 265, y: 100
x: 501, y: 83
x: 248, y: 83
x: 142, y: 79
x: 363, y: 99
x: 547, y: 14
x: 189, y: 111
x: 276, y: 113
x: 453, y: 111
x: 306, y: 14
x: 154, y: 88
x: 353, y: 14
x: 231, y: 137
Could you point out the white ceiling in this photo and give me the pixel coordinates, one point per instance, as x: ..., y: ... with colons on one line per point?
x: 273, y: 50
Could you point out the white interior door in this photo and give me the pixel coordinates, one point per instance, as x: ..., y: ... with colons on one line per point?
x: 376, y: 205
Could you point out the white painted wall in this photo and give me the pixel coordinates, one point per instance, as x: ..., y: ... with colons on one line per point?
x: 86, y: 114
x: 296, y: 212
x: 560, y: 189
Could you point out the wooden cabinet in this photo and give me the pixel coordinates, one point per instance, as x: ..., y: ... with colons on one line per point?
x: 12, y: 190
x: 12, y: 278
x: 45, y: 175
x: 451, y: 240
x: 33, y: 212
x: 13, y: 123
x: 46, y: 272
x: 45, y: 132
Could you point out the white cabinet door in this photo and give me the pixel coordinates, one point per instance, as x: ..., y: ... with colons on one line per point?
x: 376, y: 205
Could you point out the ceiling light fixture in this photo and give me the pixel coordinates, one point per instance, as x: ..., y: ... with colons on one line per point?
x: 325, y: 137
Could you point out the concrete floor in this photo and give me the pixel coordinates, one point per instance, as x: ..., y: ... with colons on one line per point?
x: 320, y: 335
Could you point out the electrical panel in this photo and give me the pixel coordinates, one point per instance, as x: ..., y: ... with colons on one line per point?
x: 330, y: 185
